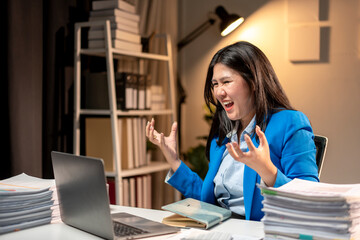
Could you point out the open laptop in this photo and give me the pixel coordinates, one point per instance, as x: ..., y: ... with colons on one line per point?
x: 84, y: 202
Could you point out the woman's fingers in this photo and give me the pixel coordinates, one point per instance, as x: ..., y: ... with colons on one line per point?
x: 261, y: 135
x: 235, y: 151
x: 249, y: 143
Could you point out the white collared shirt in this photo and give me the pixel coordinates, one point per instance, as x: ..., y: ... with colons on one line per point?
x: 229, y: 178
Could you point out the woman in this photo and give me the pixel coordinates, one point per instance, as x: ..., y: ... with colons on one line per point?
x: 255, y: 135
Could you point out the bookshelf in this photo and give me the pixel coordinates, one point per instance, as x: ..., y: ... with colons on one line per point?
x: 110, y: 53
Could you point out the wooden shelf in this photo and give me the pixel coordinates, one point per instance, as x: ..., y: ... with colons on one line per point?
x: 110, y: 53
x: 101, y: 52
x: 151, y: 168
x: 127, y: 113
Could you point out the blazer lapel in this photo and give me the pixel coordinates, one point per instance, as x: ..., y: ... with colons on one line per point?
x: 216, y: 152
x: 249, y: 186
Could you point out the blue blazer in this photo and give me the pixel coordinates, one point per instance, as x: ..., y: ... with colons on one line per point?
x: 292, y: 150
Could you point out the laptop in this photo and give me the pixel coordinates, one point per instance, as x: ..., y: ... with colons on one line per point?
x: 84, y: 201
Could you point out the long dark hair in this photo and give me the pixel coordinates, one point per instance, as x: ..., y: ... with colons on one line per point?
x: 254, y: 67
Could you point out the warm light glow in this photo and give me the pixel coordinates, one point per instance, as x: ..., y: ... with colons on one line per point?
x: 232, y: 27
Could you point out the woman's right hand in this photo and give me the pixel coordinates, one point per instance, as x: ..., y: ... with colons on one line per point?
x: 168, y: 145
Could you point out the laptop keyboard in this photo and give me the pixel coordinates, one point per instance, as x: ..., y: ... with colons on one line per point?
x: 122, y: 230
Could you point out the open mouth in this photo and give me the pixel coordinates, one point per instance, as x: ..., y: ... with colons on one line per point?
x: 228, y: 105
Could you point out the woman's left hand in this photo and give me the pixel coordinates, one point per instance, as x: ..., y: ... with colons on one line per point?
x: 256, y: 158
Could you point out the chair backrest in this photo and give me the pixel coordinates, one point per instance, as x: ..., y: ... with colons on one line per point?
x: 321, y: 145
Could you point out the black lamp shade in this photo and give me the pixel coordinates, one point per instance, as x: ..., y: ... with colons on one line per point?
x: 227, y: 20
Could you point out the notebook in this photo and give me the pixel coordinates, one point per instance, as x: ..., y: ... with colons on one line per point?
x: 84, y: 202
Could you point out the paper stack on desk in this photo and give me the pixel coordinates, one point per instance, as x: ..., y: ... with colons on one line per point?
x: 25, y: 202
x: 303, y: 209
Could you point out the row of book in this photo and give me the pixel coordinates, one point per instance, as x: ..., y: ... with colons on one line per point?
x: 132, y: 139
x: 136, y: 191
x: 304, y: 209
x: 133, y: 92
x: 27, y: 201
x: 124, y: 22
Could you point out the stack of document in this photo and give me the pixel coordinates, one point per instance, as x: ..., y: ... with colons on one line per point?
x: 25, y: 202
x: 303, y: 209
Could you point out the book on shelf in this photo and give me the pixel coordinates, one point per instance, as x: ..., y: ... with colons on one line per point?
x: 190, y: 212
x: 98, y: 140
x: 126, y: 192
x: 116, y: 25
x: 132, y: 141
x: 132, y: 185
x: 147, y: 191
x: 109, y: 4
x: 312, y: 210
x: 117, y: 19
x: 137, y: 191
x: 136, y: 141
x: 117, y: 12
x: 115, y: 34
x: 116, y: 43
x: 141, y: 92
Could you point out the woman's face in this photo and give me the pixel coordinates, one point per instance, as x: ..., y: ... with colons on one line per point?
x: 234, y: 94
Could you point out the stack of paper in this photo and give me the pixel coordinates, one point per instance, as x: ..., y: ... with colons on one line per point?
x: 303, y: 209
x: 25, y: 202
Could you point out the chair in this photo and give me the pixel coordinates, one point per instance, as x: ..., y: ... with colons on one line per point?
x: 321, y: 145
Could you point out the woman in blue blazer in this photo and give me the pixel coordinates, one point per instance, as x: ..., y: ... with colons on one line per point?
x: 256, y: 136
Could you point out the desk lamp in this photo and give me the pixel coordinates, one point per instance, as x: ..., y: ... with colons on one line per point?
x: 229, y: 22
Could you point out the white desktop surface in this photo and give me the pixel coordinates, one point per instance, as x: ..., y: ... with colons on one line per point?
x: 251, y: 229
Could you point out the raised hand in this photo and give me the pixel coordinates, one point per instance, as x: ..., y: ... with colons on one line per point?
x: 256, y: 158
x: 168, y: 145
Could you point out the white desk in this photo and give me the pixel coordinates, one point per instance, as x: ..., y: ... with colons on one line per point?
x: 62, y: 231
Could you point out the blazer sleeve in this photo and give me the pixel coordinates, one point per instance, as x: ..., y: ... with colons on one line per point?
x: 185, y: 181
x: 294, y: 148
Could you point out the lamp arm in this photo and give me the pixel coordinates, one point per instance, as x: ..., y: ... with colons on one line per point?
x: 195, y: 33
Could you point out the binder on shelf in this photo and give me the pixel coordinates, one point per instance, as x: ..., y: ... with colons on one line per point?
x: 141, y: 92
x: 96, y: 91
x: 147, y: 92
x: 124, y: 5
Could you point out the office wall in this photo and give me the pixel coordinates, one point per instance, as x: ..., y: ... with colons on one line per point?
x: 327, y: 91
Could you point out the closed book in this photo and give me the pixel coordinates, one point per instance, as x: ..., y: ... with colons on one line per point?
x: 130, y: 143
x: 139, y: 192
x: 194, y: 213
x: 101, y: 5
x: 118, y: 44
x: 126, y: 192
x: 115, y: 12
x: 120, y: 20
x: 132, y: 185
x: 115, y: 34
x: 117, y: 25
